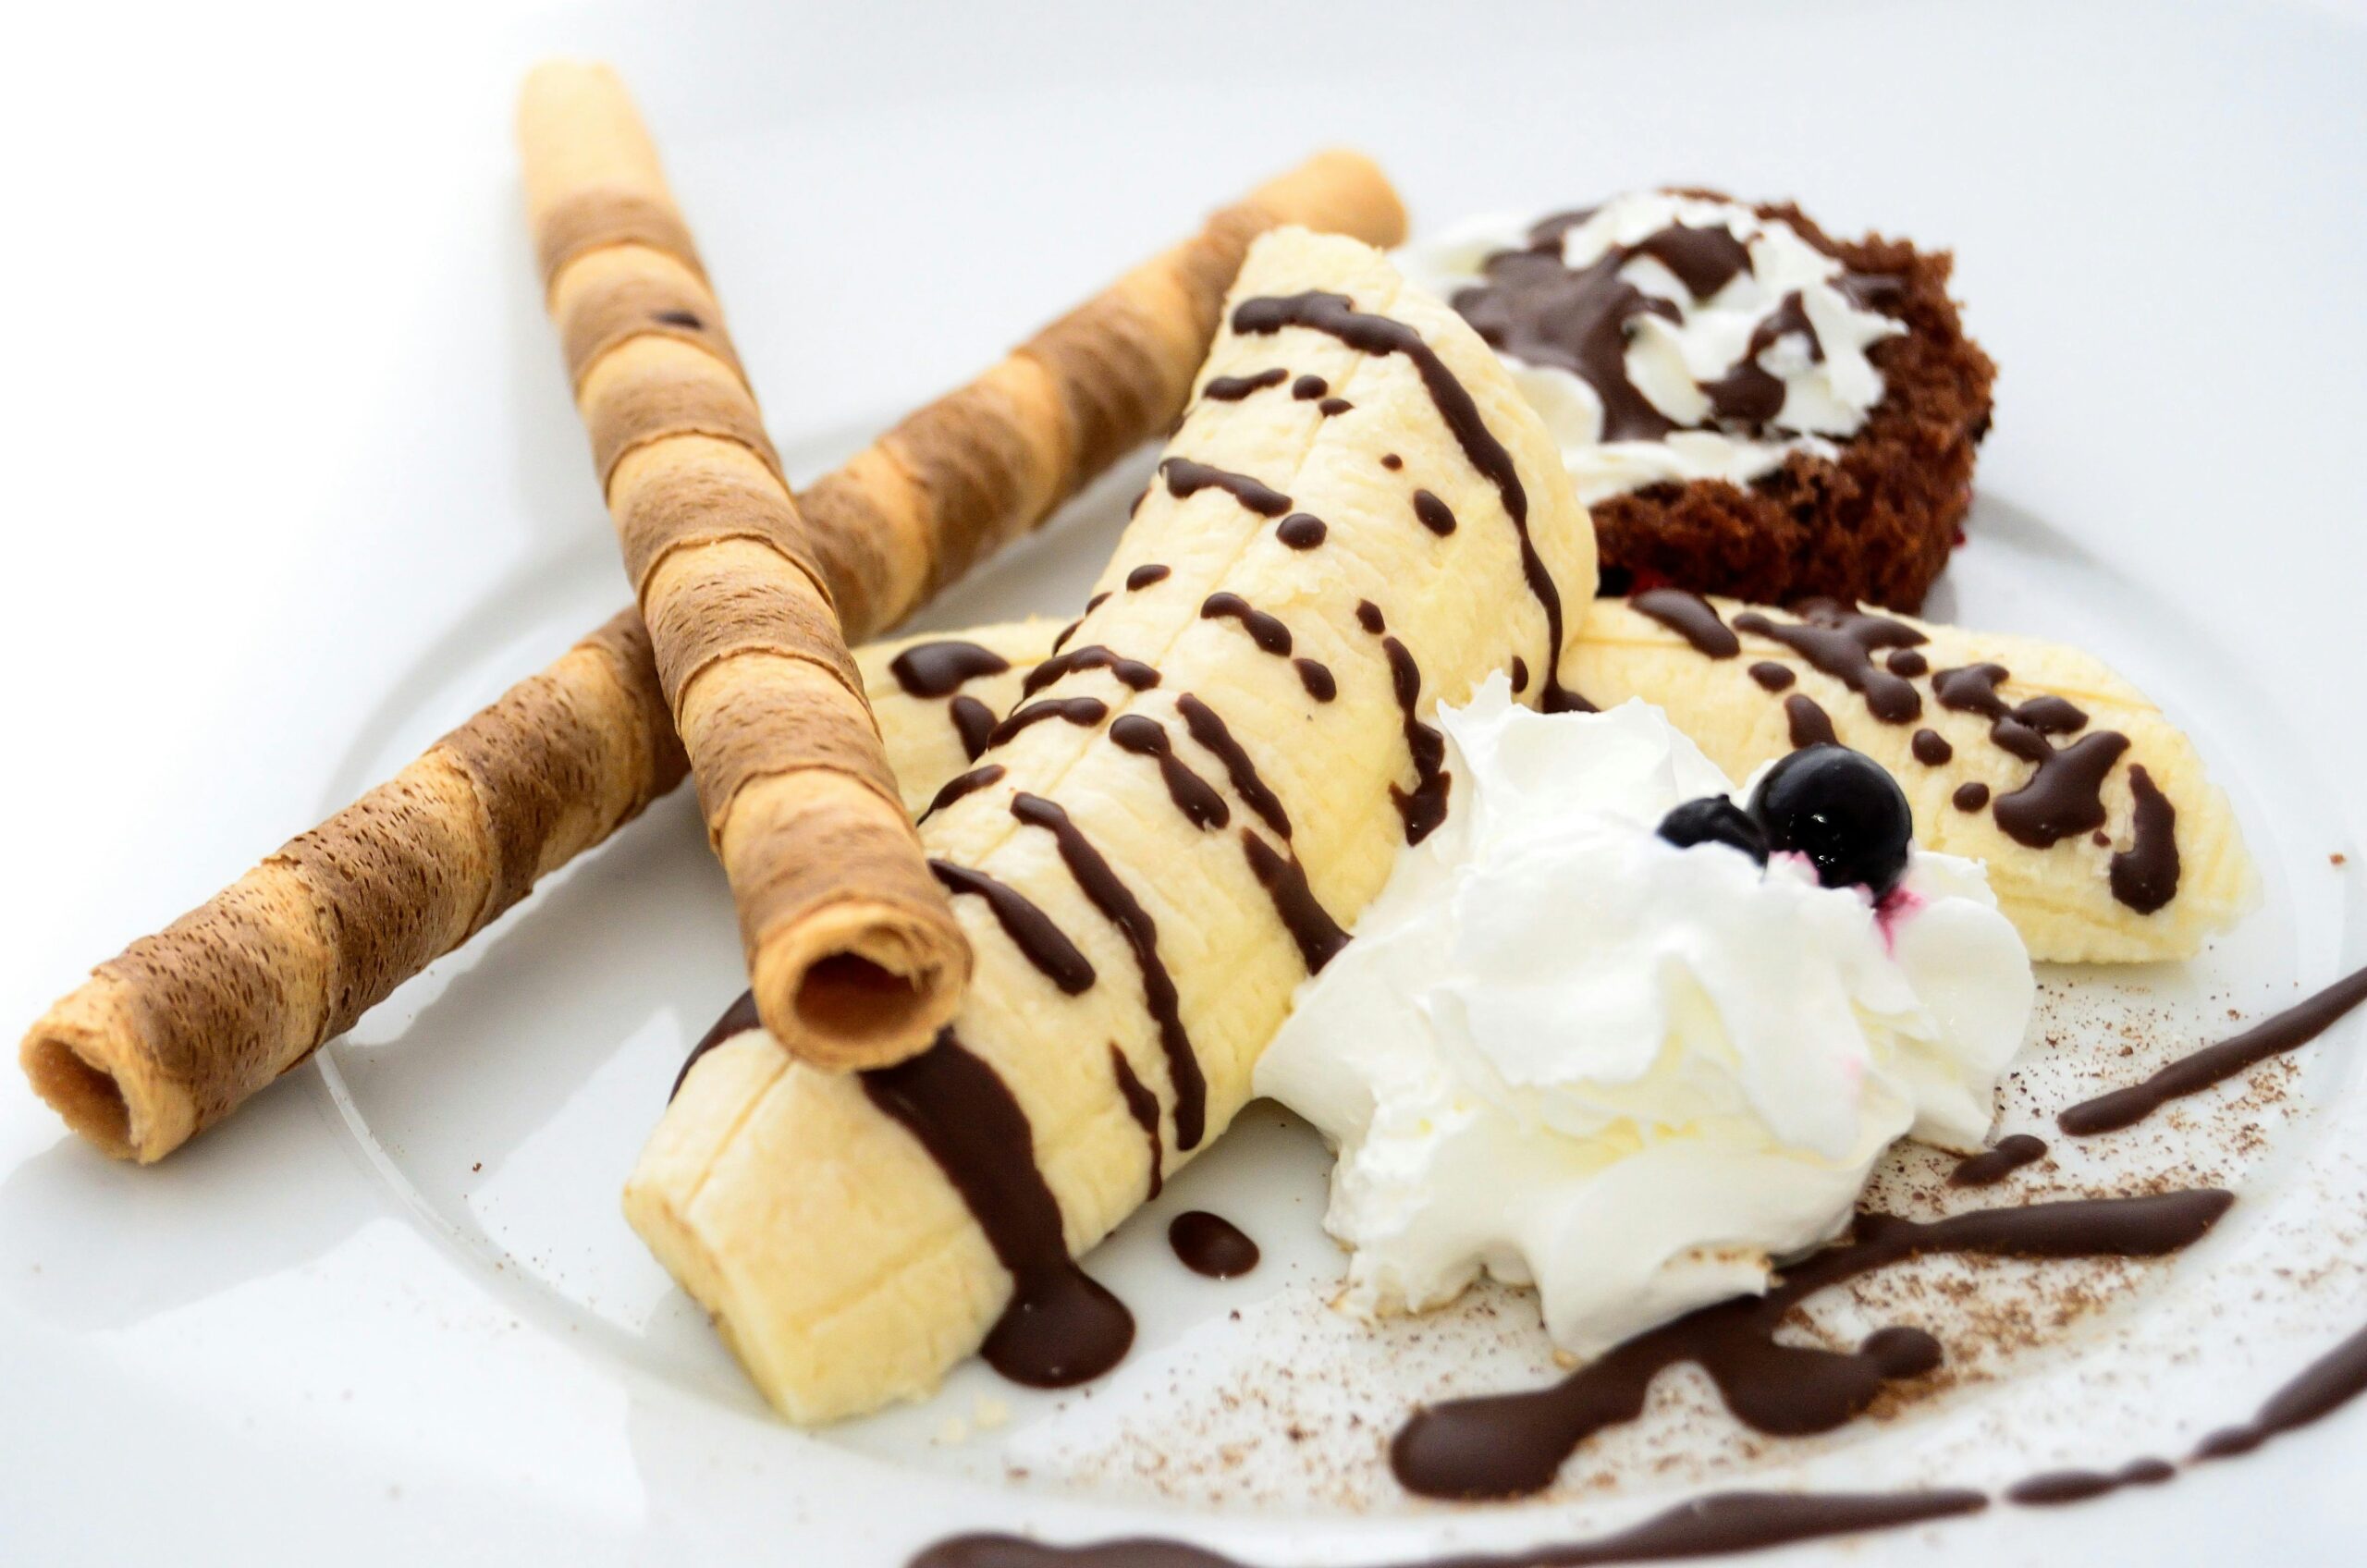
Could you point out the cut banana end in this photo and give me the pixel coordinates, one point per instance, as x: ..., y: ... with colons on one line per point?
x: 2105, y: 842
x: 1149, y: 851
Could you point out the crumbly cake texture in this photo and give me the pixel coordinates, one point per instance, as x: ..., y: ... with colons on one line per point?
x: 1877, y: 524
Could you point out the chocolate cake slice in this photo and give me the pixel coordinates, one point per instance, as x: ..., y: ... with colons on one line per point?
x: 1749, y: 406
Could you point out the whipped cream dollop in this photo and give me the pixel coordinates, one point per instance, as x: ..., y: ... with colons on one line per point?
x: 1571, y: 1053
x: 1664, y: 336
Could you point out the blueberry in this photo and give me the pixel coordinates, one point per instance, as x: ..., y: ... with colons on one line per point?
x: 1841, y: 810
x: 1713, y: 819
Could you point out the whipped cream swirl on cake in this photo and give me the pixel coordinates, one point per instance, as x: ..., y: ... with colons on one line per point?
x: 1667, y: 336
x: 1565, y: 1050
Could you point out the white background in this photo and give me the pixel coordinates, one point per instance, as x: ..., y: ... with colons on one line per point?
x: 278, y: 403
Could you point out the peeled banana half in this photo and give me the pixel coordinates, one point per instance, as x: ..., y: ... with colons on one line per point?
x: 1172, y: 821
x: 2086, y: 895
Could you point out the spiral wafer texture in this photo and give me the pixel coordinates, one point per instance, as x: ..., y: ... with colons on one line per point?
x: 177, y: 1032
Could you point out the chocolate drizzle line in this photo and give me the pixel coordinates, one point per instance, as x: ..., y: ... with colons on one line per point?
x: 1811, y: 725
x: 1061, y: 1327
x: 1509, y: 1445
x: 2059, y: 1487
x: 1840, y: 641
x: 738, y: 1019
x: 1082, y: 712
x: 1318, y: 680
x: 1200, y: 721
x: 1211, y: 1244
x: 1714, y: 1525
x: 1369, y: 616
x: 1540, y: 311
x: 1433, y: 513
x: 1692, y: 617
x: 939, y: 669
x: 2064, y: 797
x: 963, y: 784
x: 1336, y: 315
x: 1143, y: 1106
x: 1319, y: 938
x: 1423, y: 806
x: 1332, y: 408
x: 2324, y: 1386
x: 1131, y: 673
x: 1994, y: 1165
x: 1192, y: 795
x: 1187, y: 478
x: 2289, y: 1030
x: 1932, y: 748
x: 1039, y: 940
x: 1263, y: 630
x: 2145, y: 874
x: 1143, y: 577
x: 1234, y: 388
x: 1115, y: 900
x: 974, y: 722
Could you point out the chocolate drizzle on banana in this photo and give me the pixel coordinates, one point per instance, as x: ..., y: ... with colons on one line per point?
x: 1037, y: 936
x: 1082, y: 712
x: 1192, y: 795
x: 1510, y: 1445
x: 1133, y: 674
x: 1102, y: 885
x: 2062, y: 797
x: 941, y: 668
x: 1187, y: 478
x: 1337, y: 316
x: 1061, y: 1327
x: 963, y: 784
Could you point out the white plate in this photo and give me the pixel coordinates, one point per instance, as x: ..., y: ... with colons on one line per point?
x: 392, y: 1312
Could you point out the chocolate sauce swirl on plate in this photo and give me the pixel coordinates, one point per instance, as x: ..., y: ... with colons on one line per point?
x: 1994, y: 1165
x: 1510, y: 1445
x: 1211, y: 1244
x: 1714, y: 1525
x: 2289, y: 1030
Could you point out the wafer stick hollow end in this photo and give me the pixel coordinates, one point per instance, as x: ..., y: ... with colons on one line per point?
x: 85, y: 1060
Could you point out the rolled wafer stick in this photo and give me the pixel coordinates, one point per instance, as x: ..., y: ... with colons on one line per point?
x: 174, y: 1034
x: 169, y: 1035
x: 853, y: 953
